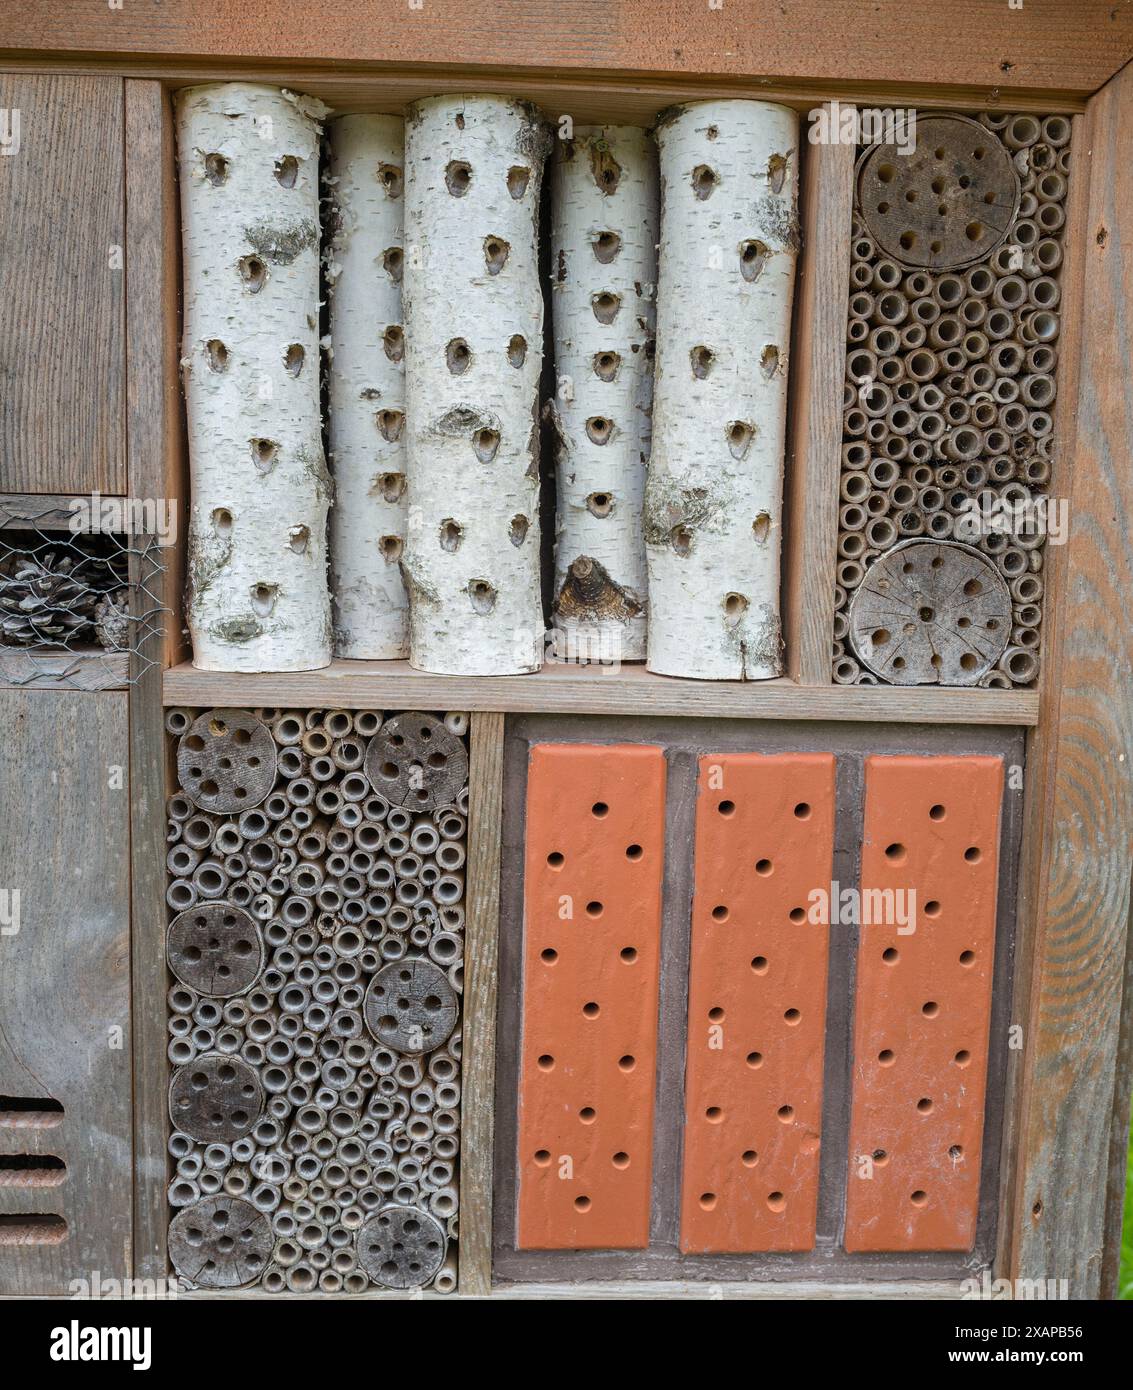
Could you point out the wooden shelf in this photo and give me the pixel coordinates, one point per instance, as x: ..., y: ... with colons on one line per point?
x: 83, y: 670
x: 562, y: 689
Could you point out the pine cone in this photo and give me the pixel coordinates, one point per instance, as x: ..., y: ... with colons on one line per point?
x: 45, y: 599
x: 112, y: 621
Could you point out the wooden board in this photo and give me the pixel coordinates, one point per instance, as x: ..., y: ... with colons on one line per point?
x: 481, y: 948
x: 65, y: 981
x: 62, y: 233
x: 1044, y: 44
x: 591, y: 690
x: 1075, y: 879
x: 818, y: 359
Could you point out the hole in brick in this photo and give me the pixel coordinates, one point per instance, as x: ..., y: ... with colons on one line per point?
x: 599, y: 809
x: 546, y: 1062
x: 763, y: 867
x: 880, y: 1157
x: 620, y: 1159
x: 887, y: 1057
x: 967, y: 957
x: 548, y: 956
x: 924, y: 1105
x: 720, y: 914
x: 936, y: 812
x: 707, y: 1201
x: 932, y: 908
x: 496, y: 252
x: 588, y: 1114
x: 759, y: 965
x: 517, y: 350
x: 797, y: 915
x: 594, y: 909
x: 634, y: 852
x: 896, y: 853
x: 716, y: 1015
x: 930, y: 1009
x: 591, y: 1010
x: 518, y: 178
x: 918, y: 1198
x: 890, y: 955
x: 628, y: 954
x: 956, y: 1152
x: 458, y: 177
x: 749, y: 1158
x: 627, y: 1063
x: 458, y: 356
x: 727, y: 808
x: 286, y: 171
x: 792, y: 1017
x: 786, y: 1113
x: 714, y: 1115
x: 754, y: 1060
x: 776, y: 1201
x: 972, y: 854
x: 555, y: 859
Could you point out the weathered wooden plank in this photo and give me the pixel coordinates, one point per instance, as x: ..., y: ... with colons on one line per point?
x: 86, y: 670
x: 156, y: 475
x: 1045, y: 44
x: 591, y: 690
x: 481, y: 949
x: 65, y: 980
x: 1080, y: 802
x: 818, y: 359
x: 41, y: 511
x: 62, y: 358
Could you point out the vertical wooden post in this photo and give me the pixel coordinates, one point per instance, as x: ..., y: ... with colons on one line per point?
x: 815, y: 416
x: 1077, y: 836
x: 481, y: 950
x: 156, y: 472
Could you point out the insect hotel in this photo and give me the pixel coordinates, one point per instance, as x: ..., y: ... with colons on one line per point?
x: 563, y: 649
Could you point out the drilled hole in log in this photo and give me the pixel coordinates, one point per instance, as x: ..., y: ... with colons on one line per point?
x: 263, y: 598
x: 680, y: 538
x: 704, y: 181
x: 517, y: 531
x: 393, y: 263
x: 517, y: 350
x: 761, y: 527
x: 391, y: 178
x: 216, y: 169
x: 264, y: 452
x: 391, y: 547
x: 604, y: 167
x: 222, y: 521
x: 253, y: 272
x: 754, y: 255
x: 286, y: 171
x: 391, y: 486
x: 769, y: 361
x: 293, y: 359
x: 485, y: 443
x: 393, y: 342
x: 600, y: 504
x: 518, y: 178
x: 298, y: 538
x: 496, y: 252
x: 458, y: 177
x: 217, y: 355
x: 606, y: 365
x: 390, y: 423
x: 458, y: 357
x: 702, y: 359
x: 482, y: 595
x: 735, y: 606
x: 605, y: 305
x: 606, y: 246
x: 599, y: 429
x: 777, y: 172
x: 739, y: 435
x: 452, y: 533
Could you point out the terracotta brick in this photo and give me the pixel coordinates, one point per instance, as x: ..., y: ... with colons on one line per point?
x: 757, y: 1003
x: 592, y: 934
x: 923, y: 1004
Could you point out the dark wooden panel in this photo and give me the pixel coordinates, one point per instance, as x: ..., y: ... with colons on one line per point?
x: 1080, y: 800
x: 1044, y: 44
x: 65, y: 980
x: 61, y: 246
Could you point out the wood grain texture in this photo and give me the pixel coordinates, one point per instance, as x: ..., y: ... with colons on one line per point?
x: 65, y: 977
x: 1080, y: 804
x: 481, y: 949
x: 40, y: 510
x: 155, y: 473
x: 818, y: 359
x: 590, y: 690
x: 1045, y: 44
x: 61, y: 342
x: 93, y: 670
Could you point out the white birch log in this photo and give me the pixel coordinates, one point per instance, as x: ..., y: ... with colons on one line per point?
x: 473, y: 325
x: 729, y: 241
x: 257, y: 595
x: 367, y: 387
x: 603, y: 273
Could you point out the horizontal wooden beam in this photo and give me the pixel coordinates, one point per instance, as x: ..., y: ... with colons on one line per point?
x: 1043, y: 44
x: 564, y: 689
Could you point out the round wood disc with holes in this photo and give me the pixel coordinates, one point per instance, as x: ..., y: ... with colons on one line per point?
x: 226, y: 761
x: 414, y: 761
x: 410, y: 1006
x: 948, y: 203
x: 930, y: 613
x: 401, y: 1247
x: 215, y: 948
x: 215, y: 1099
x: 221, y: 1242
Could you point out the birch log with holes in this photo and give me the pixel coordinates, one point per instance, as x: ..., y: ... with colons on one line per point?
x: 729, y: 242
x: 603, y: 277
x: 257, y: 595
x: 473, y: 331
x: 367, y: 387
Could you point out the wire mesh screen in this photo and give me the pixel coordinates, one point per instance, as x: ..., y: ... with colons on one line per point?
x: 77, y: 608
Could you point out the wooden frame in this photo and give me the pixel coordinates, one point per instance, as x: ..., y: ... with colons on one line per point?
x: 1068, y: 1098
